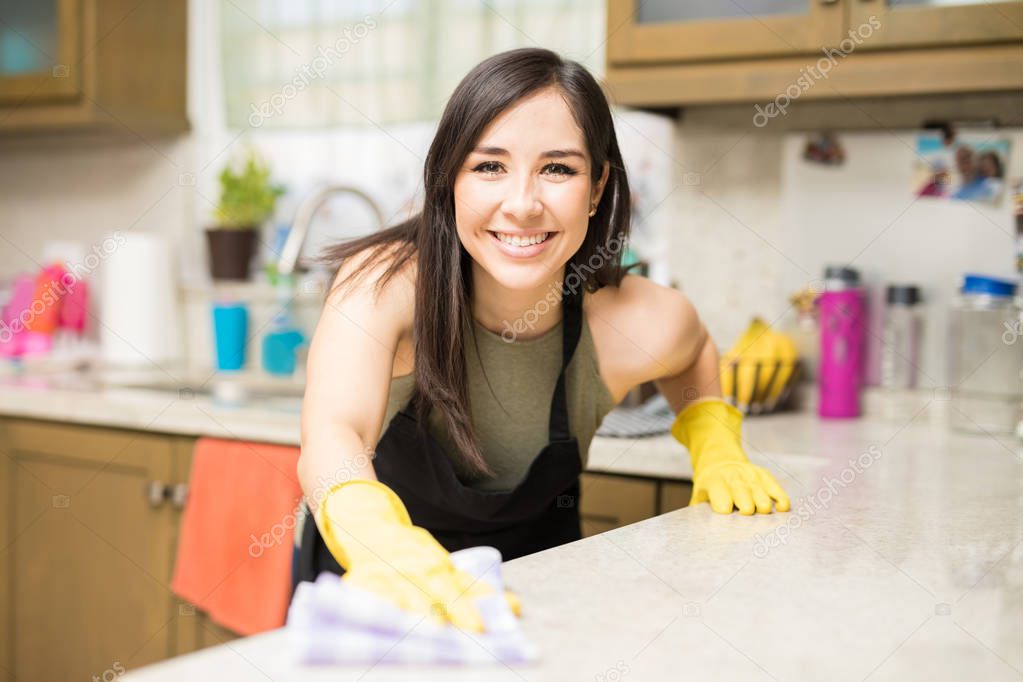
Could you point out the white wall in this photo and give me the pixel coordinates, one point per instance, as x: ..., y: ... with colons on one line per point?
x: 762, y: 223
x: 81, y: 189
x: 865, y: 210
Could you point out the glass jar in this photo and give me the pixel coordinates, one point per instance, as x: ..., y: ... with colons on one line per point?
x: 985, y: 356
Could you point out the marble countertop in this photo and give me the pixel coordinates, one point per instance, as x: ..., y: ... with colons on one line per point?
x: 93, y: 398
x: 902, y: 558
x: 87, y: 398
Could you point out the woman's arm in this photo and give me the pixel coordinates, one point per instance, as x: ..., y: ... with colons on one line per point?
x: 699, y: 378
x: 656, y: 335
x: 687, y: 373
x: 351, y: 357
x: 363, y: 523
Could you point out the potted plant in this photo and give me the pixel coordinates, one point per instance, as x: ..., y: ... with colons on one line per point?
x: 247, y: 199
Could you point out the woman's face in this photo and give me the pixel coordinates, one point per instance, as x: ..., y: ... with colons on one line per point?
x: 528, y: 176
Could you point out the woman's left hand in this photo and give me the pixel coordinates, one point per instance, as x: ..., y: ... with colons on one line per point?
x: 744, y: 485
x: 710, y: 429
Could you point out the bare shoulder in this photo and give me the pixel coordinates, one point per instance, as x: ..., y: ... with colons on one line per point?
x: 393, y: 298
x: 642, y: 331
x: 355, y: 344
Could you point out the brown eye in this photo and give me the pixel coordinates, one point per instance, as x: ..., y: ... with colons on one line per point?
x: 558, y: 169
x: 488, y: 167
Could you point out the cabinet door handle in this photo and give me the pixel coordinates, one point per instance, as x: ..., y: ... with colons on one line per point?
x: 156, y: 493
x: 179, y: 495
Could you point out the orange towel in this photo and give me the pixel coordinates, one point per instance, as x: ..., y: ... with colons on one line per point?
x: 234, y: 553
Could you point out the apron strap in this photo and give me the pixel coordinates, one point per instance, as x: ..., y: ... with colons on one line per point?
x: 571, y: 306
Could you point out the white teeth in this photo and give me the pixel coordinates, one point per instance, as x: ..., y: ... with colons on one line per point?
x: 518, y: 241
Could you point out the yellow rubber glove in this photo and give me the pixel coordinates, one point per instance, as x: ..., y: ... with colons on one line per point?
x: 711, y: 430
x: 368, y: 530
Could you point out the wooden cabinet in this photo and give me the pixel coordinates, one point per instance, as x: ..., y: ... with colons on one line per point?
x: 662, y: 53
x: 674, y: 495
x: 88, y: 555
x: 196, y: 631
x: 93, y: 64
x: 608, y: 501
x: 665, y: 30
x: 88, y: 552
x: 915, y: 23
x: 38, y: 41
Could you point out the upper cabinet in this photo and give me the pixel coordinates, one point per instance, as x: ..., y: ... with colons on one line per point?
x: 669, y: 53
x: 650, y: 31
x: 86, y: 64
x: 38, y: 42
x: 915, y: 23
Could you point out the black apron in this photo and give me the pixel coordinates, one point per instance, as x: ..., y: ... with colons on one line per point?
x: 541, y: 512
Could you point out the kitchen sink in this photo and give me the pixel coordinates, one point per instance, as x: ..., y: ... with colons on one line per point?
x: 237, y: 391
x: 215, y: 388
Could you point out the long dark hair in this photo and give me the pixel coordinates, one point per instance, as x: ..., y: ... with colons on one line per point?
x: 443, y: 311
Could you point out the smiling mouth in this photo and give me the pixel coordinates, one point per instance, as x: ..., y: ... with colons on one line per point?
x: 521, y: 241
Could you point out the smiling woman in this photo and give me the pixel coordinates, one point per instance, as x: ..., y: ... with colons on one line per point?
x: 526, y: 210
x: 488, y: 171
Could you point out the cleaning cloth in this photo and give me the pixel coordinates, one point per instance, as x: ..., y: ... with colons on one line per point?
x: 331, y: 622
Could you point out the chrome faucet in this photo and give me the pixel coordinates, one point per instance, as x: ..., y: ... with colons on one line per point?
x: 288, y: 261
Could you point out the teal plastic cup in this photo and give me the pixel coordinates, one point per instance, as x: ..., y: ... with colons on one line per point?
x: 230, y: 331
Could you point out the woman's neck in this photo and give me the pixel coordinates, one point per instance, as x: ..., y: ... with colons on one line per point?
x: 516, y: 313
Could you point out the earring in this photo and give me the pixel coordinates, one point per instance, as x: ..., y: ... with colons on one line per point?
x: 593, y: 211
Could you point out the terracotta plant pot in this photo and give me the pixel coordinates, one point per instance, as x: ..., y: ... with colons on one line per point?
x: 231, y: 252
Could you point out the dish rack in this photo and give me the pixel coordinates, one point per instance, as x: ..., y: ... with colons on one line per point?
x: 759, y: 404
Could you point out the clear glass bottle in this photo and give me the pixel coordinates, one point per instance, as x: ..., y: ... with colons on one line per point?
x: 985, y: 356
x: 901, y: 337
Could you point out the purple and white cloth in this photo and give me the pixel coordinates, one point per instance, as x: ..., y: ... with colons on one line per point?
x: 331, y: 622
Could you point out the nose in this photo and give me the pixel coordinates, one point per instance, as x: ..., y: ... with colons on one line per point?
x: 522, y: 202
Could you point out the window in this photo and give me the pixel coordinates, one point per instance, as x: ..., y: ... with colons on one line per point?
x: 323, y: 63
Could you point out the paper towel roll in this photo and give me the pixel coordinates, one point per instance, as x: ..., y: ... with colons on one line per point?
x: 139, y: 306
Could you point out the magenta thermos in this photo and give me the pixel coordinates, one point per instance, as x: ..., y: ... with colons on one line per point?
x: 842, y: 334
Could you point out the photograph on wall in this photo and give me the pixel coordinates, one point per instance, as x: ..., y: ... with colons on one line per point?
x: 963, y: 167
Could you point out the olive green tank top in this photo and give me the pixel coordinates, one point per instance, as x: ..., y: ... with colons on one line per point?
x: 511, y: 414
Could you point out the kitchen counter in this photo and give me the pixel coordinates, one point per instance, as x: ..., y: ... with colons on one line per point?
x: 902, y: 558
x: 93, y: 399
x: 85, y: 398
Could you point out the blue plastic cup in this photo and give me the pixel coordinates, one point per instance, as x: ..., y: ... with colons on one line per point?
x: 230, y: 331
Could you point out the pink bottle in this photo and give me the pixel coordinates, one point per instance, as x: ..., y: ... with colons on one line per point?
x: 842, y: 330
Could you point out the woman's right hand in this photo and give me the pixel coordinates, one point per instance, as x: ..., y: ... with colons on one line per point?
x: 368, y: 530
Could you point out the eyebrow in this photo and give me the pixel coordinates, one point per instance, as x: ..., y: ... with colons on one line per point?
x: 552, y: 153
